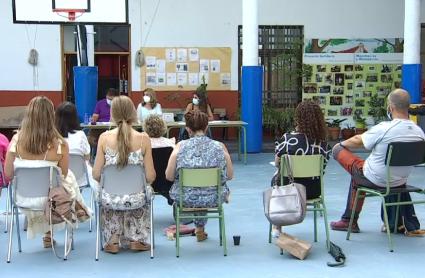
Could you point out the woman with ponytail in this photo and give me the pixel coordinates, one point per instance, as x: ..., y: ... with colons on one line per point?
x: 122, y: 146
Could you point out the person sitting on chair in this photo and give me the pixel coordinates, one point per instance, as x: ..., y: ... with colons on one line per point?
x: 199, y: 151
x: 309, y: 138
x: 149, y: 105
x: 162, y: 147
x: 372, y: 171
x: 67, y: 124
x: 122, y: 146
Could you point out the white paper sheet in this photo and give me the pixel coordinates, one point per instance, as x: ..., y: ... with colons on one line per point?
x: 150, y: 62
x: 181, y: 55
x: 225, y: 79
x: 160, y: 66
x: 193, y: 54
x: 151, y: 79
x: 215, y: 65
x: 181, y: 78
x: 193, y: 79
x: 182, y: 67
x: 171, y: 79
x: 160, y: 79
x: 204, y: 65
x: 170, y: 54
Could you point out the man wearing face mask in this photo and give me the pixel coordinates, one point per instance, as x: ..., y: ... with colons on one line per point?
x: 372, y: 172
x: 102, y: 111
x: 148, y: 106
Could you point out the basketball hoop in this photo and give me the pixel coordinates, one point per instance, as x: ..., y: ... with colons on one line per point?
x: 71, y: 14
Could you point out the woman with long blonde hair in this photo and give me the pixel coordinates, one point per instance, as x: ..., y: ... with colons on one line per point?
x: 38, y: 143
x: 122, y: 146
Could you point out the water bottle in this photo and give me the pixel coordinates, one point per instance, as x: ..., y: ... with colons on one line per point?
x: 86, y: 119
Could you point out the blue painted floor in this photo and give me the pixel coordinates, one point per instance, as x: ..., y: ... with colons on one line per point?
x: 367, y: 252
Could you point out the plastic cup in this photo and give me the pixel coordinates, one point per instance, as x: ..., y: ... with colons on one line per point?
x: 236, y: 240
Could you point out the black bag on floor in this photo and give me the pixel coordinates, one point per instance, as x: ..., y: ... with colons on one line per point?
x: 337, y: 253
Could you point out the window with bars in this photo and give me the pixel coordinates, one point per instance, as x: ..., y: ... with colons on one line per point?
x: 280, y: 53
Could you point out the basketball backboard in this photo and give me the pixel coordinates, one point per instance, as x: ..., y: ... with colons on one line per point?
x: 89, y: 11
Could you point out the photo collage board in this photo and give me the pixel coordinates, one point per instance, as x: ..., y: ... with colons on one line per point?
x: 345, y: 89
x: 185, y: 68
x: 343, y: 74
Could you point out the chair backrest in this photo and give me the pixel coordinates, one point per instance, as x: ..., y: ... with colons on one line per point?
x: 405, y: 153
x: 78, y: 166
x: 122, y: 181
x: 35, y: 182
x: 160, y: 158
x: 200, y: 177
x: 303, y: 166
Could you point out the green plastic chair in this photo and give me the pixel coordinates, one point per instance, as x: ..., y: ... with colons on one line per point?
x: 398, y: 154
x: 200, y: 178
x: 306, y: 166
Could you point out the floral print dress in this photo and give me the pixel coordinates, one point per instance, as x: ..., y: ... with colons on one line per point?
x: 123, y: 226
x: 200, y: 152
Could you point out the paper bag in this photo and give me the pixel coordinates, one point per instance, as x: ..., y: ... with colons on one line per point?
x: 296, y: 247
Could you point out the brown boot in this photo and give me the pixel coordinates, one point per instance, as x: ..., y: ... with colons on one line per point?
x: 139, y: 246
x: 112, y: 248
x: 201, y: 235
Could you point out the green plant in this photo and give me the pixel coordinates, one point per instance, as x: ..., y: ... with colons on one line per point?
x: 334, y: 122
x: 278, y: 121
x: 377, y: 108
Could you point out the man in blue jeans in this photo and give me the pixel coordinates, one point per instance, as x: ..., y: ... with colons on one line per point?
x: 371, y: 172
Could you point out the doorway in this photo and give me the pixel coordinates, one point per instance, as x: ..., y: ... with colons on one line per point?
x: 111, y: 56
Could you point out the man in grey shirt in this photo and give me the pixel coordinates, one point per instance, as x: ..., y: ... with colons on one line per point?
x: 371, y: 172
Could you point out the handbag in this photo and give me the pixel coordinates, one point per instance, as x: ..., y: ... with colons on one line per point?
x: 60, y: 207
x: 285, y: 205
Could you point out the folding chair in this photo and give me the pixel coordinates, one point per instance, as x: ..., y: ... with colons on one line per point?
x: 78, y: 166
x: 31, y: 183
x: 307, y: 166
x: 161, y: 185
x: 399, y: 154
x: 128, y: 180
x: 4, y: 185
x: 200, y: 178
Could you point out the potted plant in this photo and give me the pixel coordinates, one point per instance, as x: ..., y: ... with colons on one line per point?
x: 377, y: 108
x: 360, y: 125
x: 348, y: 132
x: 334, y: 128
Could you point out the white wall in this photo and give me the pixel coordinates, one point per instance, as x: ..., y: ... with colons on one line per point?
x: 16, y: 73
x: 198, y: 23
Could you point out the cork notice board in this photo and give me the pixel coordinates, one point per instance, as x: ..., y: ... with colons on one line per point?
x: 183, y: 68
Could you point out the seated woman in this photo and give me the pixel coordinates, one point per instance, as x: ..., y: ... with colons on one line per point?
x: 68, y: 125
x: 200, y: 103
x: 39, y: 144
x: 4, y: 142
x: 149, y: 105
x: 162, y: 147
x: 122, y: 146
x: 199, y: 152
x: 309, y: 138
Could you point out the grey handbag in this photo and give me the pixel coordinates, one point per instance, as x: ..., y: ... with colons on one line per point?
x: 285, y: 205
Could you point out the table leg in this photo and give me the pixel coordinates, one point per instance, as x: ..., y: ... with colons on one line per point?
x: 244, y: 143
x: 239, y: 143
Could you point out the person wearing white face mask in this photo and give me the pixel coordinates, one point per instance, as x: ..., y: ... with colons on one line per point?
x: 200, y: 103
x: 148, y: 106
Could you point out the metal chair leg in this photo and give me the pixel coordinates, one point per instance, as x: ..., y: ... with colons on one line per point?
x: 223, y: 227
x: 91, y: 207
x: 220, y: 230
x: 352, y: 214
x: 325, y: 219
x: 270, y: 233
x: 152, y: 228
x: 65, y: 253
x: 177, y: 232
x: 17, y: 229
x: 97, y: 215
x: 397, y: 212
x: 11, y: 220
x: 387, y: 226
x: 6, y: 216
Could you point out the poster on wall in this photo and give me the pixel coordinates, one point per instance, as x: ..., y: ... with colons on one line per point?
x: 344, y: 74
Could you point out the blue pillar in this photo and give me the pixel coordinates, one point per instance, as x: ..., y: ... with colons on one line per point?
x: 252, y: 88
x: 412, y: 81
x: 85, y: 90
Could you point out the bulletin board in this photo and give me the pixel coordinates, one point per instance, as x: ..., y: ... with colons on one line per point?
x: 183, y: 68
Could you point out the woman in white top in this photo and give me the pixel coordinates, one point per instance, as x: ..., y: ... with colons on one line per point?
x: 39, y: 144
x: 149, y: 105
x: 68, y: 125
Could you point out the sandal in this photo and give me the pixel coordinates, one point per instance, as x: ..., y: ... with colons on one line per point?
x: 112, y: 248
x: 47, y: 241
x: 415, y: 233
x: 139, y: 246
x: 201, y: 235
